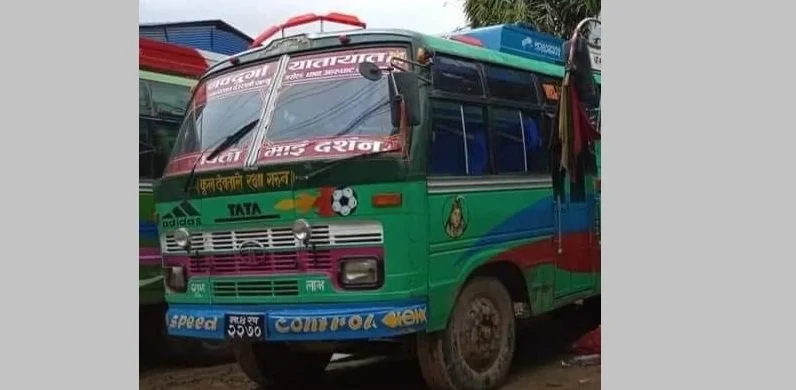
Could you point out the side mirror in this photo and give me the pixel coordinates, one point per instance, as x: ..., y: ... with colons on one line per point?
x: 370, y: 71
x: 408, y: 89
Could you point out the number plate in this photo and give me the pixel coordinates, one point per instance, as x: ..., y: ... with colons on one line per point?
x: 244, y: 326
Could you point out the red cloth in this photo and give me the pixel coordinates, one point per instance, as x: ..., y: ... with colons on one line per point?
x: 588, y: 343
x: 584, y: 131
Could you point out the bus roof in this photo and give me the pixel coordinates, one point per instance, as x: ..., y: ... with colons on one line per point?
x: 450, y: 46
x: 442, y: 45
x: 163, y: 57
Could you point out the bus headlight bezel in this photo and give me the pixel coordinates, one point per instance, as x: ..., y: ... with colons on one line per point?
x: 175, y: 279
x: 302, y: 230
x: 361, y: 273
x: 182, y: 237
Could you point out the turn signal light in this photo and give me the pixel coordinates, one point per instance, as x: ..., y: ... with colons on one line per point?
x: 387, y: 200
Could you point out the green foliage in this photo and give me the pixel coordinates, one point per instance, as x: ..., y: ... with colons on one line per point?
x: 556, y: 17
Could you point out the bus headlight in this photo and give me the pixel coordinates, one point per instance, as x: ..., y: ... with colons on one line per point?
x: 175, y: 279
x: 182, y: 238
x: 302, y: 230
x: 360, y: 273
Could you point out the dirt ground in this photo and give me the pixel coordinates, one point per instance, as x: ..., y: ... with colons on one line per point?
x: 540, y: 350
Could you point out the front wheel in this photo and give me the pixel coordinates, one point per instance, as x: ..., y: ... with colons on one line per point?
x: 476, y: 349
x: 278, y: 366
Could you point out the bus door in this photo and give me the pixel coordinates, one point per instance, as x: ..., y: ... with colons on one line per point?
x: 575, y: 246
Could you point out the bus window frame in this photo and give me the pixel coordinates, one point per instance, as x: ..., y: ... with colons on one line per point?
x: 539, y: 109
x: 143, y: 86
x: 484, y: 117
x: 151, y: 121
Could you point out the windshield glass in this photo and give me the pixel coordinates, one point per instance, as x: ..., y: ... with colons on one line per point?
x: 322, y: 97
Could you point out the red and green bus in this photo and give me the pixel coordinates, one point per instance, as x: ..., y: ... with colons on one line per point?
x: 166, y: 75
x: 335, y: 191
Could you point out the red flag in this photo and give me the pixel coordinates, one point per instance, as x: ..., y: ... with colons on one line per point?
x: 584, y: 130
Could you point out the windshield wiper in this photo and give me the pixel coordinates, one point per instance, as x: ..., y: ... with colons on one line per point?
x: 334, y: 163
x: 232, y: 139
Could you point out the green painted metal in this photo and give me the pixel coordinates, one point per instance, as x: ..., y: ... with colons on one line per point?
x: 165, y: 78
x: 151, y: 291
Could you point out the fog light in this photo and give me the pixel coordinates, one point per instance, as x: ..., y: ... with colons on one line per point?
x: 175, y: 279
x: 302, y: 230
x: 362, y: 273
x: 182, y: 238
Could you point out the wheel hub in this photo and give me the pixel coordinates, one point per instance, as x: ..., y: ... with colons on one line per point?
x: 480, y: 336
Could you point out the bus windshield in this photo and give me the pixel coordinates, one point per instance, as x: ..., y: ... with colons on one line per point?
x: 322, y: 96
x: 161, y: 103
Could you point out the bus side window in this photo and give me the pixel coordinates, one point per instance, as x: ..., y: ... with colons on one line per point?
x: 146, y: 168
x: 163, y: 136
x: 155, y: 141
x: 144, y: 100
x: 169, y: 99
x: 458, y: 140
x: 511, y: 85
x: 456, y: 76
x: 520, y: 142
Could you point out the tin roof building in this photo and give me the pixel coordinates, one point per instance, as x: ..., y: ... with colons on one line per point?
x: 210, y: 35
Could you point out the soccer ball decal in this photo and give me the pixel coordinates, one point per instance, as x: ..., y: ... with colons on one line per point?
x: 344, y: 201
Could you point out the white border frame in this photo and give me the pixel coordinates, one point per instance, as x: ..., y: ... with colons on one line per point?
x: 70, y: 249
x: 698, y: 220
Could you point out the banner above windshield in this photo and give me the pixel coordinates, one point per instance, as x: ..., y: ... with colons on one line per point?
x: 318, y: 67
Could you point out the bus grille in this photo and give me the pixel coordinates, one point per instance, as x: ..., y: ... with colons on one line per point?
x: 279, y: 237
x: 263, y: 262
x: 255, y: 288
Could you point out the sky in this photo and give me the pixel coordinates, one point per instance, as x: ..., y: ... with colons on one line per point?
x: 254, y: 16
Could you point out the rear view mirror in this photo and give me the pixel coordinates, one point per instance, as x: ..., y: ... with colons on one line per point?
x: 408, y: 90
x: 370, y: 71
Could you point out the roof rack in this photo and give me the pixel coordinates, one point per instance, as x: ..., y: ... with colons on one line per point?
x: 334, y: 17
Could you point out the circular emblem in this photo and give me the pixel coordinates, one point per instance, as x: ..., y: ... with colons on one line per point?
x: 251, y: 252
x: 456, y: 217
x: 344, y: 201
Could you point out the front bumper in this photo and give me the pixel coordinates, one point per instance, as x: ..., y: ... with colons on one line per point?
x: 306, y: 322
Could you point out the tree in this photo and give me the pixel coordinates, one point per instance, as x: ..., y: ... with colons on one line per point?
x: 555, y: 17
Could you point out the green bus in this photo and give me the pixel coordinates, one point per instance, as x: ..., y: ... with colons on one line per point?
x: 336, y: 191
x: 162, y: 99
x: 166, y: 75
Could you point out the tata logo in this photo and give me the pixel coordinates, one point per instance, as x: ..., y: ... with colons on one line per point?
x: 247, y: 209
x: 252, y: 252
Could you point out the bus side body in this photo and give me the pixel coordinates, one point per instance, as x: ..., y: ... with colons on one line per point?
x: 158, y: 127
x: 536, y: 234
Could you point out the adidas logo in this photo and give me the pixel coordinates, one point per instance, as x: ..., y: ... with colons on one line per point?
x: 184, y: 215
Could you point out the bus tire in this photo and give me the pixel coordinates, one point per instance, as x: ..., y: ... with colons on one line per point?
x: 476, y: 350
x: 277, y: 365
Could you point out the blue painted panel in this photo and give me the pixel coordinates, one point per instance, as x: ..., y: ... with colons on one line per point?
x: 307, y: 322
x: 157, y: 34
x: 204, y: 37
x: 520, y: 41
x: 198, y: 37
x: 228, y: 43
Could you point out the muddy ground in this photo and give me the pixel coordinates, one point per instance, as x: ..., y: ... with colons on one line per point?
x: 540, y: 350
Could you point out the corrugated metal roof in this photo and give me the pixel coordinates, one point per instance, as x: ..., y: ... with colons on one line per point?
x: 210, y: 35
